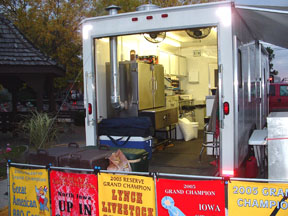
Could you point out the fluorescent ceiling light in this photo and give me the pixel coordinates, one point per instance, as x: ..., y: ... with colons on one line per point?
x: 173, y: 36
x: 106, y: 40
x: 171, y: 42
x: 214, y: 29
x: 208, y: 56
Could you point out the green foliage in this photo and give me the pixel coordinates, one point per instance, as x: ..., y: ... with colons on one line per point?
x: 15, y: 155
x: 100, y: 5
x: 131, y: 5
x: 271, y: 56
x: 53, y: 26
x: 41, y: 129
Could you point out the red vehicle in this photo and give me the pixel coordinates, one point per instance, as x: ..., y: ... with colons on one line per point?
x: 278, y: 97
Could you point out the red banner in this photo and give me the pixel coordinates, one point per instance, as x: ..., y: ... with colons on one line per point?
x: 187, y: 198
x: 73, y: 194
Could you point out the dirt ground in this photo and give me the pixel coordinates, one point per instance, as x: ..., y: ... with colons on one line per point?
x: 4, y: 211
x: 67, y: 133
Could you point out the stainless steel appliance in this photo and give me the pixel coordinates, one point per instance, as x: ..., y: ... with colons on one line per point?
x: 277, y: 145
x: 161, y: 117
x: 141, y: 87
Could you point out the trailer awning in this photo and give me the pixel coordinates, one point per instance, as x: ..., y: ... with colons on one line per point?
x: 268, y: 20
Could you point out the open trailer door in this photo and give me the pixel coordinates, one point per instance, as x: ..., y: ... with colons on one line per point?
x: 179, y: 46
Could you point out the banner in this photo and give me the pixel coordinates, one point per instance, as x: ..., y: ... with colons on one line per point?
x: 73, y: 194
x: 181, y: 197
x: 126, y: 195
x: 29, y: 191
x: 250, y: 198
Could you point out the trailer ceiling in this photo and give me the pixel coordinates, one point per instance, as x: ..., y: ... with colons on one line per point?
x: 267, y: 21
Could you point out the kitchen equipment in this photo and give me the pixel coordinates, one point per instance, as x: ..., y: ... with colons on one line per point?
x: 161, y: 117
x: 141, y: 87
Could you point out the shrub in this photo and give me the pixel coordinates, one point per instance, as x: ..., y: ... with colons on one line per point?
x: 41, y: 129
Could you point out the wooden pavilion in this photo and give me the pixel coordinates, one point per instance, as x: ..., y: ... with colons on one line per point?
x: 21, y: 62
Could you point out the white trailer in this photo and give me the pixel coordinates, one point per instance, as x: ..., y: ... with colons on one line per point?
x: 233, y: 46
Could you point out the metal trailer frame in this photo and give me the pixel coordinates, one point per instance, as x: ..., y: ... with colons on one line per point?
x: 233, y: 34
x: 146, y: 173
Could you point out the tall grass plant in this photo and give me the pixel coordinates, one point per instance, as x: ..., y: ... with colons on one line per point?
x: 41, y: 129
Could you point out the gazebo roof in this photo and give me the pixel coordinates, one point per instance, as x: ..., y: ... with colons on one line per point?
x: 18, y: 54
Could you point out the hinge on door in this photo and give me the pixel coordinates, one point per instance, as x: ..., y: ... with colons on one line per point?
x: 220, y: 91
x: 220, y: 66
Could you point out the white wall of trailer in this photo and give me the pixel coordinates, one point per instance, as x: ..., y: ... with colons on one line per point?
x: 202, y: 66
x: 213, y: 14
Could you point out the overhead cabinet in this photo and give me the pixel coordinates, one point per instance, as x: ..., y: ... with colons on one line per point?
x: 173, y: 64
x: 182, y: 66
x: 164, y: 60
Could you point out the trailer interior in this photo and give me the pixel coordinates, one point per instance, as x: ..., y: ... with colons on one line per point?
x: 190, y: 61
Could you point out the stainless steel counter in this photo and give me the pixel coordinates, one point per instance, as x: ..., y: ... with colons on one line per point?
x: 278, y: 145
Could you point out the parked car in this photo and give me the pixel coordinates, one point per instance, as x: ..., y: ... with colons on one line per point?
x: 278, y: 97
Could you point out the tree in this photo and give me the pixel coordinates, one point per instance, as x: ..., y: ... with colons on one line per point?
x: 53, y: 27
x: 271, y: 56
x: 100, y: 5
x: 131, y: 5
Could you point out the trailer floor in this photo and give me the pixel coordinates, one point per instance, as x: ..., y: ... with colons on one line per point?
x: 180, y: 158
x: 183, y: 158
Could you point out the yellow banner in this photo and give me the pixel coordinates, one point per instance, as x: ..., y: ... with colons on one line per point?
x: 29, y: 194
x: 249, y: 198
x: 126, y: 195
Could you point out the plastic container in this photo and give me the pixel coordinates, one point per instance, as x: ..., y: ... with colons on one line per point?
x: 195, y: 126
x: 179, y: 134
x: 189, y: 129
x: 138, y: 159
x: 87, y: 158
x: 52, y: 155
x: 128, y: 142
x: 251, y: 170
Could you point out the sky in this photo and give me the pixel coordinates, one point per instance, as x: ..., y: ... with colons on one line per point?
x: 280, y: 62
x: 263, y: 2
